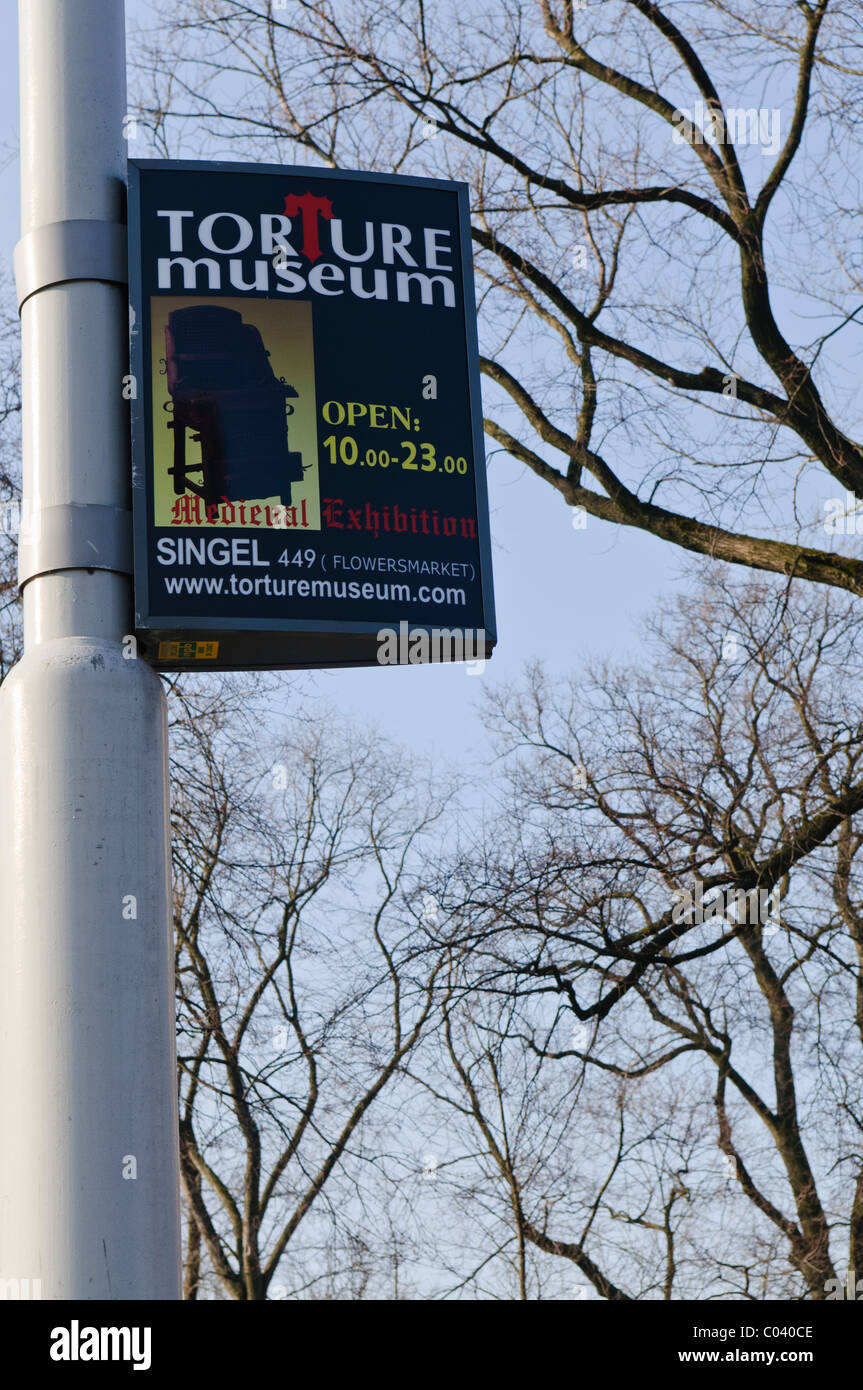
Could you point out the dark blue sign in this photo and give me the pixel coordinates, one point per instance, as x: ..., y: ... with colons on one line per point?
x: 309, y: 474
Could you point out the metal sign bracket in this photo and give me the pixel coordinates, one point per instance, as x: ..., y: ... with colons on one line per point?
x: 78, y: 249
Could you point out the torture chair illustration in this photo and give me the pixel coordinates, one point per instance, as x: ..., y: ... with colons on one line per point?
x: 225, y: 392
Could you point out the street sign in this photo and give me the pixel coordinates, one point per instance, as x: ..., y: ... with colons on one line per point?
x: 309, y: 475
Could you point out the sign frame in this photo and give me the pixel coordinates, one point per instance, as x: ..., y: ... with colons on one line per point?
x: 250, y: 637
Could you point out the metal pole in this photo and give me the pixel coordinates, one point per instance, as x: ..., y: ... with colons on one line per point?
x: 89, y: 1180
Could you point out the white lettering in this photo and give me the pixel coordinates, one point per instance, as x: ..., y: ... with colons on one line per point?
x: 390, y: 243
x: 337, y: 238
x: 190, y: 272
x: 380, y: 290
x: 260, y: 282
x: 430, y: 235
x: 329, y: 272
x: 207, y: 240
x: 274, y: 232
x: 426, y: 284
x: 175, y: 224
x: 295, y: 283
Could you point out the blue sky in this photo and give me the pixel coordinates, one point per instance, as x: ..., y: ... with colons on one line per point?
x: 560, y: 593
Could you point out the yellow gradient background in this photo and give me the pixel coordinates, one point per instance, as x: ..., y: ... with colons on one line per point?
x: 286, y: 330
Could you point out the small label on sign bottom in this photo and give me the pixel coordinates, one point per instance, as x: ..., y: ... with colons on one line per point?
x: 188, y: 651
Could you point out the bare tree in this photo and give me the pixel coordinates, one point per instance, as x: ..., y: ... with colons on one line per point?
x: 670, y: 295
x: 303, y: 987
x: 659, y: 945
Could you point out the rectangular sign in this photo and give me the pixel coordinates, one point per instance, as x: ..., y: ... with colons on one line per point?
x: 308, y: 466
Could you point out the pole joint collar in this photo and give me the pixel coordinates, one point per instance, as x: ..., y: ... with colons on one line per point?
x: 81, y: 248
x: 74, y: 537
